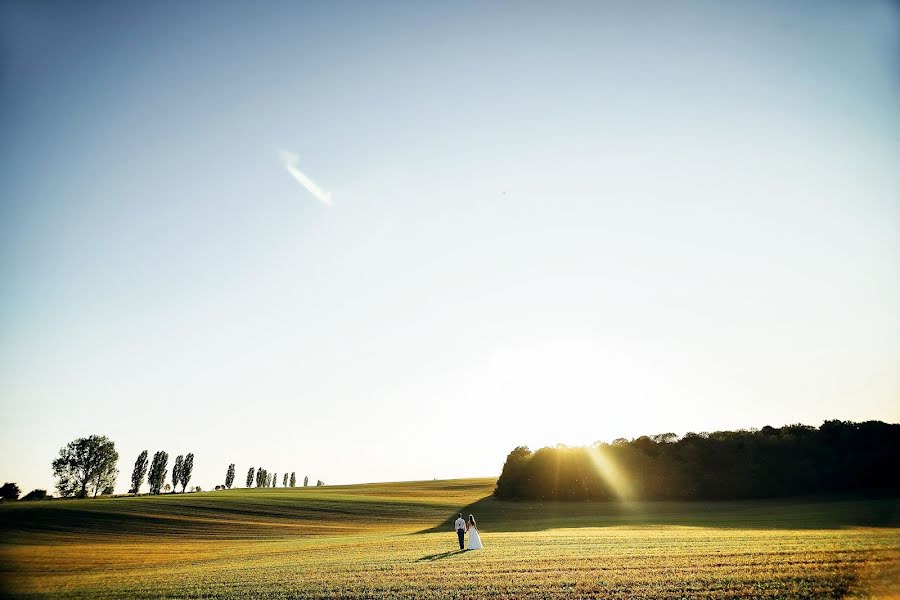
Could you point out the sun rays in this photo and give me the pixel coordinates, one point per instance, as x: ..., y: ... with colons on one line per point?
x: 609, y: 471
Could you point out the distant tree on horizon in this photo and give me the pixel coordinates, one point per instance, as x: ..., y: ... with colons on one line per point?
x: 158, y: 470
x: 293, y: 479
x: 284, y: 483
x: 168, y: 488
x: 250, y: 473
x: 320, y: 483
x: 187, y: 469
x: 176, y: 472
x: 306, y: 481
x: 260, y: 477
x: 10, y: 491
x: 86, y: 465
x: 274, y: 479
x: 268, y: 480
x: 140, y: 470
x: 36, y: 494
x: 229, y: 477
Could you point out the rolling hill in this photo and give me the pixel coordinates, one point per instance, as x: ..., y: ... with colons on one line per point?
x: 395, y: 540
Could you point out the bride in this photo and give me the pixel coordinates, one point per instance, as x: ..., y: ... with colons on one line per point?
x: 474, y: 538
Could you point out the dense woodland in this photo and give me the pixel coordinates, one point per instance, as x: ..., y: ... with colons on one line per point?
x: 839, y: 456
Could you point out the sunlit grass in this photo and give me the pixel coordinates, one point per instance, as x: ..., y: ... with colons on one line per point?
x: 392, y: 541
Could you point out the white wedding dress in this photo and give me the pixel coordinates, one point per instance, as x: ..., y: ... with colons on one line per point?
x: 474, y: 539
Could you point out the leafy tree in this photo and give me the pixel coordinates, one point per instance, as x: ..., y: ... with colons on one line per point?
x: 157, y: 475
x: 229, y: 477
x: 140, y: 470
x: 293, y: 479
x: 260, y: 477
x: 285, y: 481
x: 176, y: 472
x: 35, y: 495
x: 86, y: 465
x: 320, y: 483
x: 512, y: 468
x: 268, y: 480
x: 187, y: 469
x: 250, y: 477
x: 306, y: 481
x: 10, y: 491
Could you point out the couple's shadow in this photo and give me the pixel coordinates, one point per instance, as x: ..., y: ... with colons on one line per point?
x: 442, y: 555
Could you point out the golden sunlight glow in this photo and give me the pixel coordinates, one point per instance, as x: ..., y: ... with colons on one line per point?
x: 614, y: 477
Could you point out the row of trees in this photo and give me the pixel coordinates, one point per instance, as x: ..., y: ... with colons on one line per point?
x: 87, y: 467
x: 793, y: 460
x: 182, y: 470
x: 263, y: 479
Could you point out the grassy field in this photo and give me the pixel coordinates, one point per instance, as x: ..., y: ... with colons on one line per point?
x: 395, y: 540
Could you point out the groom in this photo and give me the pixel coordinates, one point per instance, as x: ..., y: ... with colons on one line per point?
x: 460, y: 530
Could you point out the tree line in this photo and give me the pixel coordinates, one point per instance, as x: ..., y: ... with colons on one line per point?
x: 86, y: 467
x: 839, y: 456
x: 183, y: 467
x: 156, y: 471
x: 263, y: 479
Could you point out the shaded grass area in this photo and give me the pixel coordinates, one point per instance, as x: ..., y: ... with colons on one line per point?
x: 244, y: 513
x: 815, y: 512
x: 395, y: 541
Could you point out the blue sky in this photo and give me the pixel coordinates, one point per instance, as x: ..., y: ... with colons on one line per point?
x: 548, y: 224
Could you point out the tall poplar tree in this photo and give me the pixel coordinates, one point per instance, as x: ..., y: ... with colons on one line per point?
x: 157, y: 476
x: 176, y: 472
x: 187, y: 469
x: 229, y: 477
x: 250, y: 473
x: 139, y: 472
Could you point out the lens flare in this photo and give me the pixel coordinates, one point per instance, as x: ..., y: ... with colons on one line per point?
x: 610, y: 472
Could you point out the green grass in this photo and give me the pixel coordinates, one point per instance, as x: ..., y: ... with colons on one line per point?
x: 395, y: 540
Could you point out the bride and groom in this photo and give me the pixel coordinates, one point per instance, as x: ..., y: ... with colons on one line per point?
x: 462, y: 527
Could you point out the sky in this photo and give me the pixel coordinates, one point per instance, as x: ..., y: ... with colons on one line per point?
x: 392, y: 241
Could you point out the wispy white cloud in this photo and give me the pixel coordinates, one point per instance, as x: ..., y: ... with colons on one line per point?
x: 290, y: 163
